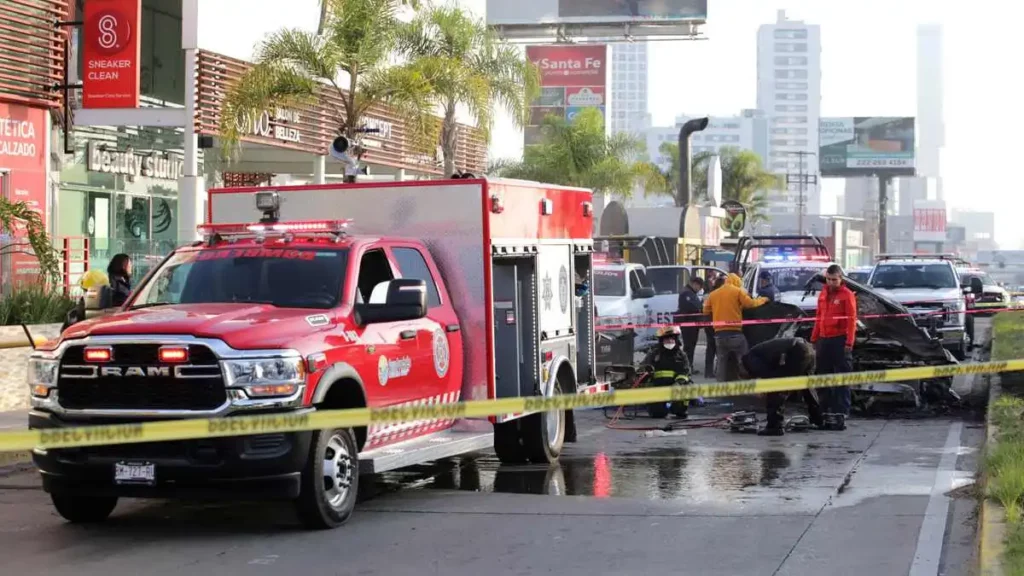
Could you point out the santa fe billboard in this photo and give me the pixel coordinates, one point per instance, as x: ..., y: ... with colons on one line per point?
x: 866, y: 146
x: 520, y: 12
x: 572, y: 78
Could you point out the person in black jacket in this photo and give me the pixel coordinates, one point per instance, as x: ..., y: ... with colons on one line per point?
x: 766, y: 287
x: 669, y: 367
x: 119, y: 271
x: 690, y: 308
x: 711, y: 350
x: 781, y: 358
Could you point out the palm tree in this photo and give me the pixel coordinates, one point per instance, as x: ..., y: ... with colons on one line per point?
x: 19, y: 216
x: 468, y: 64
x: 579, y: 153
x: 359, y: 38
x: 744, y: 178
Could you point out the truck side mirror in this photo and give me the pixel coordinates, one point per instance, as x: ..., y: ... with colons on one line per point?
x: 403, y: 299
x: 976, y: 286
x: 643, y: 293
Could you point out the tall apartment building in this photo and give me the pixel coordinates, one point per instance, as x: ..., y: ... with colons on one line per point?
x: 747, y: 131
x: 789, y: 92
x: 628, y: 102
x: 930, y: 124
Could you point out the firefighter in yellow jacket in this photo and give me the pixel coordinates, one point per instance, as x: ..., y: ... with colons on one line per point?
x: 670, y: 367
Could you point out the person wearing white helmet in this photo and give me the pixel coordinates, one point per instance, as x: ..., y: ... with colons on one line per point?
x: 669, y: 366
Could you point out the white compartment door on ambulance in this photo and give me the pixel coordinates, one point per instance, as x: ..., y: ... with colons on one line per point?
x: 555, y: 287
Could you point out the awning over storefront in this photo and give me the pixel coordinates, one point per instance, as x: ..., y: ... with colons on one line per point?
x: 286, y: 141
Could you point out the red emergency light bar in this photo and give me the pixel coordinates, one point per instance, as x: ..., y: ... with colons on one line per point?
x: 302, y: 227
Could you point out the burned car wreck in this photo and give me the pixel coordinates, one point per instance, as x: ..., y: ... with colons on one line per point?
x: 894, y: 340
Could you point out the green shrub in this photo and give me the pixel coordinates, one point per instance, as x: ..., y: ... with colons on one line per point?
x: 1004, y: 459
x: 34, y: 304
x: 1008, y: 344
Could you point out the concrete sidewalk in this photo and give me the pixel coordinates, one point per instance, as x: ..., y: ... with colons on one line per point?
x: 10, y: 422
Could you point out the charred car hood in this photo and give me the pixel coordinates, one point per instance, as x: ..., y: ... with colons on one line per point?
x: 897, y: 324
x: 240, y: 325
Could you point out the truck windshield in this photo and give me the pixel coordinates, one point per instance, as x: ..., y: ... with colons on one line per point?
x: 667, y: 280
x: 861, y: 277
x: 930, y: 276
x: 609, y: 282
x: 795, y: 279
x: 288, y: 278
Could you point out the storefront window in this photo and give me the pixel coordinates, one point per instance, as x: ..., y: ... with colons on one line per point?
x: 120, y: 191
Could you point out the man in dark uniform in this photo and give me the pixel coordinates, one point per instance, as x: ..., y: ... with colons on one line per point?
x: 782, y: 358
x: 711, y: 350
x: 690, y: 308
x: 669, y: 367
x: 766, y: 287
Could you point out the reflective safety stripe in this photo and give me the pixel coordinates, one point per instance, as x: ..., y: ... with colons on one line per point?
x: 665, y: 374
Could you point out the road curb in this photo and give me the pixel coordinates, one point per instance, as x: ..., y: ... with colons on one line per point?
x: 991, y: 517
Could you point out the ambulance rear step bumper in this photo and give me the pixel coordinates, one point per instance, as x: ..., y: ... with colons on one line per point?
x: 444, y: 444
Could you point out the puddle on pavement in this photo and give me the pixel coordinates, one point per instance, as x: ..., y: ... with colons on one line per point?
x: 660, y: 474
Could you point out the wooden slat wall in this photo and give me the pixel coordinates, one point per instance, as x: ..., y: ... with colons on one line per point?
x: 317, y: 123
x: 32, y: 51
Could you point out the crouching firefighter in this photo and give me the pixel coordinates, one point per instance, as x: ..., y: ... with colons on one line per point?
x: 670, y: 367
x: 782, y: 358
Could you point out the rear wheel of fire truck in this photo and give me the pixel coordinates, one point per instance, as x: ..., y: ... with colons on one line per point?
x: 83, y: 509
x: 330, y: 480
x: 544, y: 433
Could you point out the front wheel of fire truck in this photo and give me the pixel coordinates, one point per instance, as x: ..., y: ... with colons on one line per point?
x: 83, y: 509
x: 330, y: 481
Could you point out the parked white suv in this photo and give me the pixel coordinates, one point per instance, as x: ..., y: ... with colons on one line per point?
x: 929, y: 286
x: 622, y: 295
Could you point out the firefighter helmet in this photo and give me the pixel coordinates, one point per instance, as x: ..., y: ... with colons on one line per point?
x: 669, y: 332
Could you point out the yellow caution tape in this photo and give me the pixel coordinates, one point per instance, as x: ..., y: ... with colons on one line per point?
x: 190, y: 429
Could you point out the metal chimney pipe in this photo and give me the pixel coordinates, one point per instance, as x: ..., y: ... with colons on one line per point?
x: 684, y: 189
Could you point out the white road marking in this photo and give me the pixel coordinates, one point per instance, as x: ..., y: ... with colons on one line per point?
x: 933, y: 526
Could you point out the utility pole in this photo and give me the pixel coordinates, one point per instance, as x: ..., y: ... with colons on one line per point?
x: 883, y: 213
x: 801, y: 179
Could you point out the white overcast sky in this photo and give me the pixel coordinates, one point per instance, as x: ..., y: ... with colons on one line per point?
x: 868, y: 68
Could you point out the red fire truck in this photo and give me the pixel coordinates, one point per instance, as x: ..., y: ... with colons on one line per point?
x: 326, y: 297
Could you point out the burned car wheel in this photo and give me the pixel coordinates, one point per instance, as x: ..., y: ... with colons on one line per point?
x: 330, y: 481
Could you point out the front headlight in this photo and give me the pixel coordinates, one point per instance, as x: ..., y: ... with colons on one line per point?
x: 263, y: 377
x: 42, y: 376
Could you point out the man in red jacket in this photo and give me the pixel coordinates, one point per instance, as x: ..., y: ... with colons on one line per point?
x: 835, y: 328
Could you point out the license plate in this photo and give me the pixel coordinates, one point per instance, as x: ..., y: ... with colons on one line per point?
x: 135, y: 473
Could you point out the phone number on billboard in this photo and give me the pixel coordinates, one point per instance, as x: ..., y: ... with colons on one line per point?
x: 875, y: 162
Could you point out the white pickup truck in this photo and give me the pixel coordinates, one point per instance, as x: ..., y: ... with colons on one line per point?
x: 622, y: 295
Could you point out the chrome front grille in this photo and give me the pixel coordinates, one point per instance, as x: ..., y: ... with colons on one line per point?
x: 135, y: 379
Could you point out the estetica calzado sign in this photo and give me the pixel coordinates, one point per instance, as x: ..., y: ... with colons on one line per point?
x: 110, y: 53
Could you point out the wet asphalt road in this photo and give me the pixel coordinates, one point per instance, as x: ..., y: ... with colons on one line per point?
x: 887, y: 496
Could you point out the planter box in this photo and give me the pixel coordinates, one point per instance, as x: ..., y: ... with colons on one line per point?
x: 13, y: 387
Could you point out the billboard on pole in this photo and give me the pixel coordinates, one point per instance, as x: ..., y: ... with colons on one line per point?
x: 866, y: 146
x: 572, y: 78
x: 532, y: 12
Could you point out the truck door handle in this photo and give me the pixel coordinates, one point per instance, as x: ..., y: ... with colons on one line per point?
x: 452, y: 328
x: 408, y: 334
